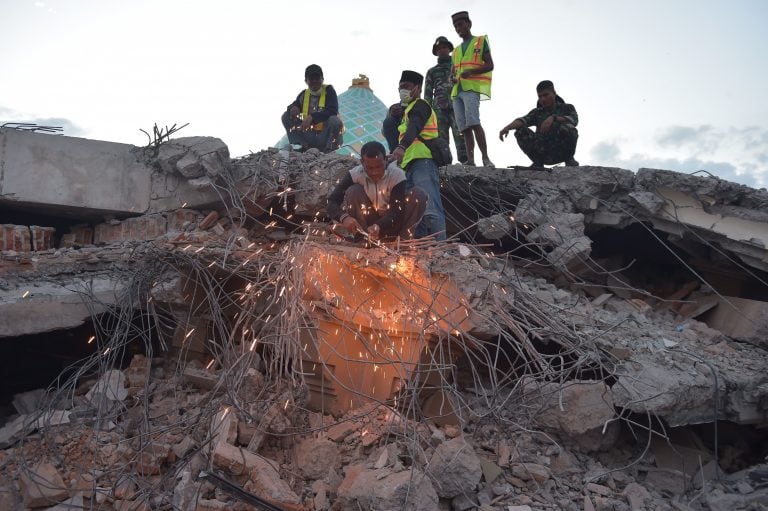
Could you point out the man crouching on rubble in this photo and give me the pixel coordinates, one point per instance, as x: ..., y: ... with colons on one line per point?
x: 371, y: 198
x: 312, y: 120
x: 555, y: 138
x: 419, y: 124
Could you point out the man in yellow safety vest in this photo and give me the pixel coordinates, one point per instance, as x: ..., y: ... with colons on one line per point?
x: 419, y: 124
x: 312, y: 120
x: 472, y: 66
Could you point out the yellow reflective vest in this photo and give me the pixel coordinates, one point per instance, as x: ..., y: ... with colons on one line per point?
x: 417, y: 149
x: 471, y: 60
x: 320, y: 105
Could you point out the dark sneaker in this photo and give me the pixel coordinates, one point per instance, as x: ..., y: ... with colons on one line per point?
x: 571, y: 163
x: 536, y: 165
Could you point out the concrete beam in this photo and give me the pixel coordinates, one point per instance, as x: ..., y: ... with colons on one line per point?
x: 48, y: 170
x: 44, y: 307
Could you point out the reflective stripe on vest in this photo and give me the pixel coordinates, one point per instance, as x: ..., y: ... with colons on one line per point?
x: 320, y: 105
x: 472, y: 60
x: 417, y: 149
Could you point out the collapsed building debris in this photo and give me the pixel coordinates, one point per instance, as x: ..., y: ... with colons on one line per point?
x: 550, y: 356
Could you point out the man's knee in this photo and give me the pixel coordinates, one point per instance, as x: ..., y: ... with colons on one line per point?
x: 334, y: 123
x: 355, y: 196
x: 416, y: 198
x: 286, y: 120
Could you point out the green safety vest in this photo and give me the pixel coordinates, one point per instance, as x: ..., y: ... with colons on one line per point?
x: 321, y: 104
x: 472, y: 60
x: 417, y: 149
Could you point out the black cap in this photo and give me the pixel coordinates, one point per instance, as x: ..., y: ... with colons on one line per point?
x: 461, y: 15
x: 412, y: 77
x: 313, y: 70
x: 545, y: 85
x: 441, y: 40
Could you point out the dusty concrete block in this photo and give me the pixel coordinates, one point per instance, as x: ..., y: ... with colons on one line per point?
x: 28, y: 402
x: 42, y: 486
x: 454, y: 468
x: 70, y: 504
x: 317, y: 457
x: 530, y: 471
x: 15, y: 237
x: 340, y: 431
x: 636, y: 496
x: 495, y: 227
x: 744, y: 320
x: 200, y: 378
x: 194, y: 157
x: 586, y: 406
x: 264, y: 478
x: 109, y: 387
x: 384, y: 491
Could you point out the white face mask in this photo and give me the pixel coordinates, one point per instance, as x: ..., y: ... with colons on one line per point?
x: 315, y: 92
x: 405, y: 96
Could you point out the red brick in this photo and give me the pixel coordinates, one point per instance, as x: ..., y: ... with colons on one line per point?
x: 15, y: 237
x: 141, y: 228
x: 108, y: 233
x: 207, y: 222
x: 83, y: 234
x: 177, y: 218
x: 42, y: 237
x: 147, y: 227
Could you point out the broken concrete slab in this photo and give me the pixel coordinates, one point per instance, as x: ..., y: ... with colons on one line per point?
x: 46, y: 306
x: 109, y: 388
x: 383, y: 490
x: 317, y: 457
x: 454, y: 468
x: 744, y: 320
x: 77, y: 174
x: 581, y: 412
x: 194, y: 157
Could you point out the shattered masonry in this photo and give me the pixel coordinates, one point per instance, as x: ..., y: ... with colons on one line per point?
x: 572, y: 348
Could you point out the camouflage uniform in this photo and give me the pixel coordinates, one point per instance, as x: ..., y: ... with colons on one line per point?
x: 437, y: 92
x: 555, y: 146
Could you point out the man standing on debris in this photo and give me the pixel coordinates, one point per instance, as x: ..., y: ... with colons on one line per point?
x: 312, y: 120
x: 437, y: 92
x: 371, y: 198
x: 472, y: 66
x: 555, y: 138
x: 418, y: 125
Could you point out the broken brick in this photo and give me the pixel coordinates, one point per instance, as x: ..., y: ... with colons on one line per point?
x: 42, y: 486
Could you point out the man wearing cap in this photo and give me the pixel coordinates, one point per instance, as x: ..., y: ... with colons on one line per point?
x: 372, y: 199
x: 472, y: 66
x: 312, y: 120
x: 437, y: 92
x: 419, y: 123
x: 555, y: 138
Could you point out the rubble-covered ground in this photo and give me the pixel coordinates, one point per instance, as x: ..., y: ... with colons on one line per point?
x: 549, y: 371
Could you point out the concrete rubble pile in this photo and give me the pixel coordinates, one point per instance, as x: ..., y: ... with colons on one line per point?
x: 287, y: 368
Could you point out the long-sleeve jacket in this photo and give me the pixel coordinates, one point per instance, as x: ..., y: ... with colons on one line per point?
x: 318, y: 114
x: 437, y: 84
x: 387, y: 195
x: 417, y: 118
x: 562, y: 109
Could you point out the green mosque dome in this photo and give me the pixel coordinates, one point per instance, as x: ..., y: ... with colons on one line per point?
x: 362, y: 113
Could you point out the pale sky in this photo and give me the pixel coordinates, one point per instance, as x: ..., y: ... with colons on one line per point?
x: 673, y: 84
